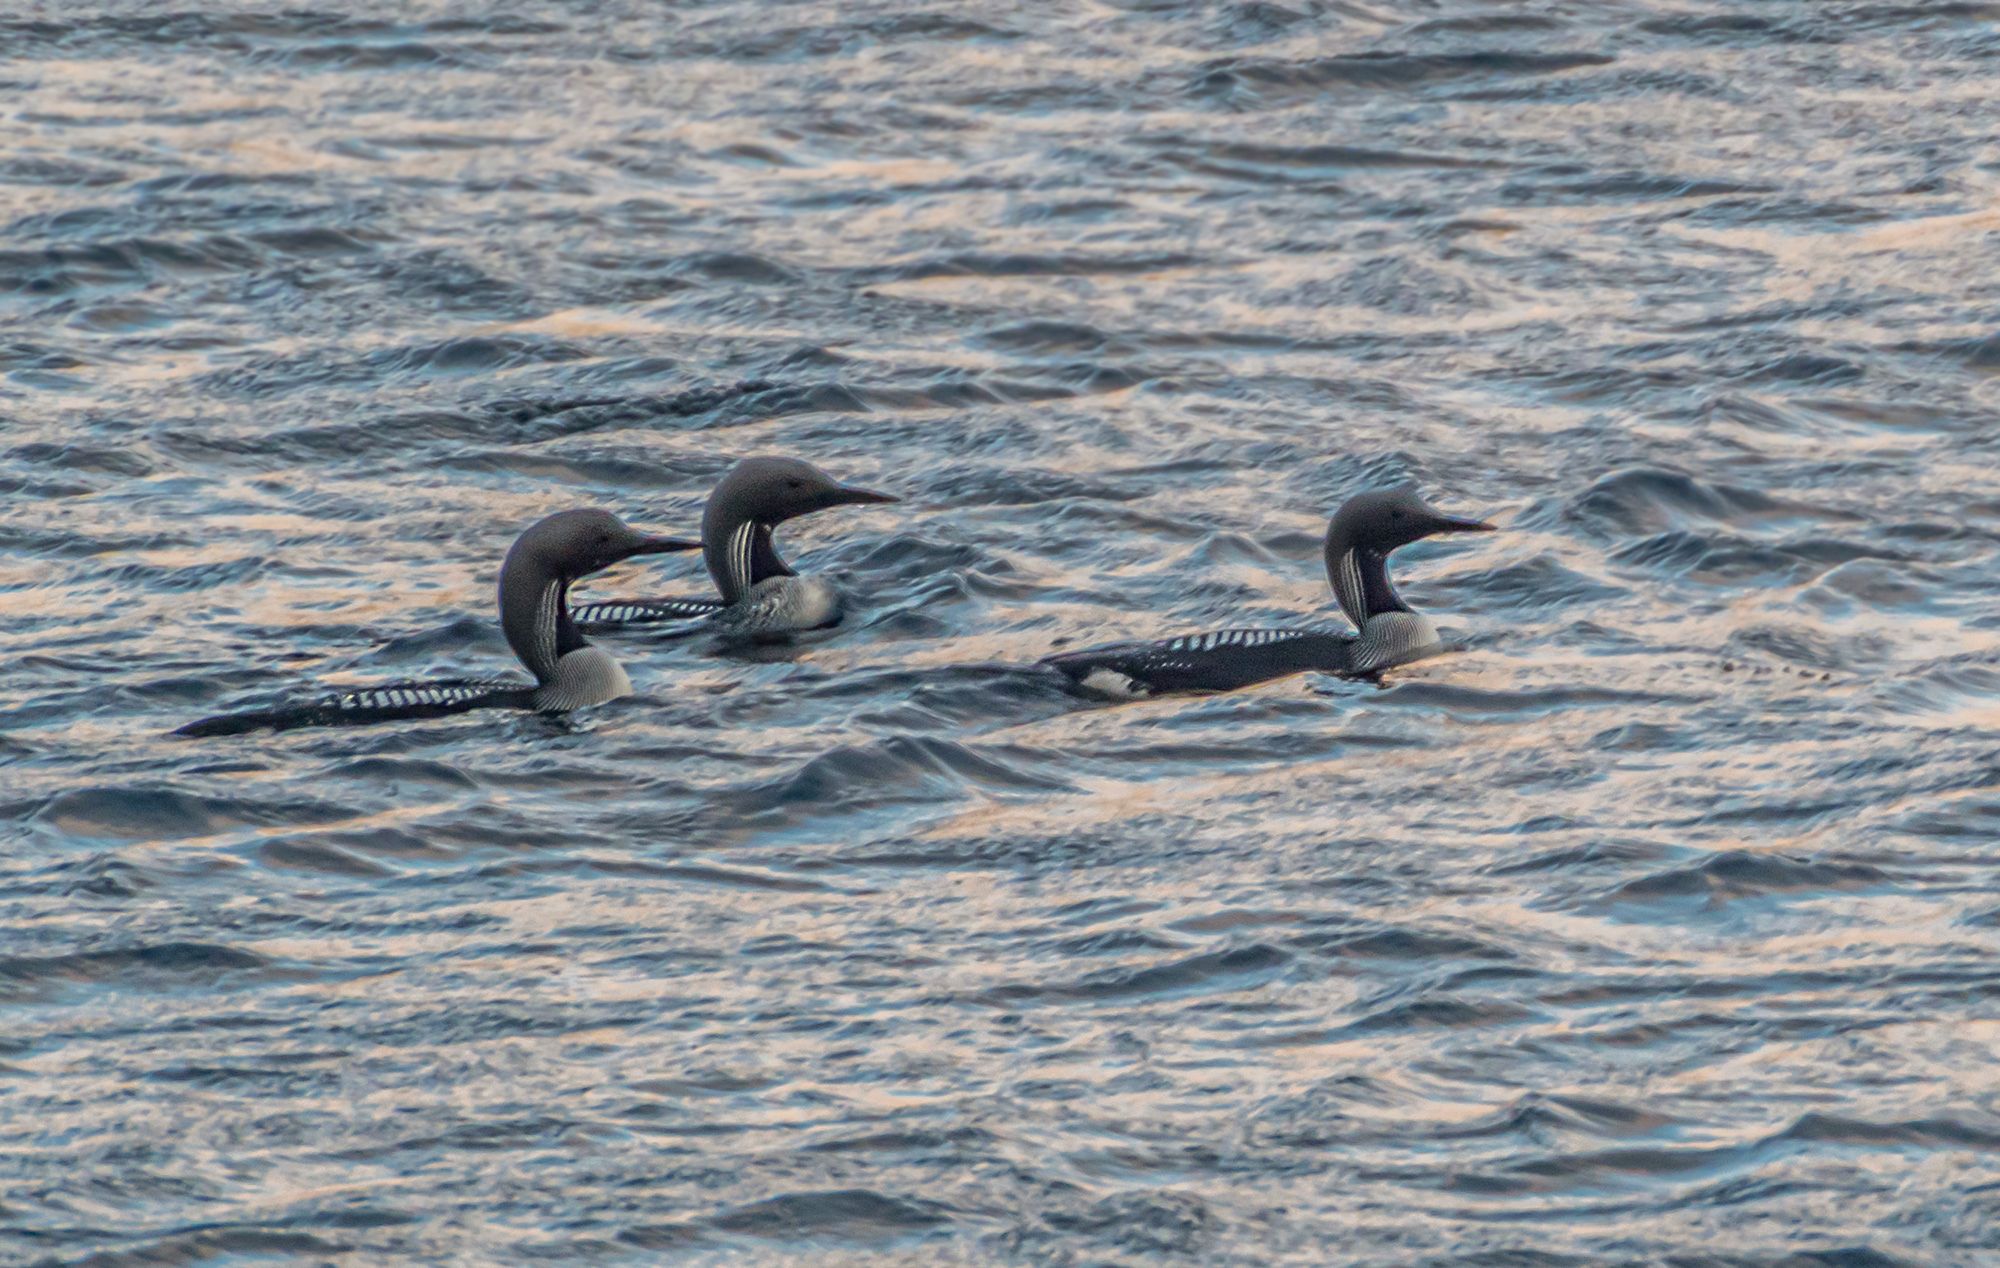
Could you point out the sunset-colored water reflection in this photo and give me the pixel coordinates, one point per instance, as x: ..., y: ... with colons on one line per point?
x: 1652, y: 924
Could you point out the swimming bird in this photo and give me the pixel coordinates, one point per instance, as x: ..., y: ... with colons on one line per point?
x: 760, y: 594
x: 1358, y: 543
x: 534, y: 615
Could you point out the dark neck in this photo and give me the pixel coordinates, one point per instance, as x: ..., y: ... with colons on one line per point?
x: 730, y: 559
x: 1360, y: 576
x: 534, y: 615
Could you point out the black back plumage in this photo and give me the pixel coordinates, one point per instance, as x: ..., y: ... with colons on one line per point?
x: 1221, y: 661
x: 388, y: 702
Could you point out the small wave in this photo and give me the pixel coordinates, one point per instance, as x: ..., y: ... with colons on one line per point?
x: 56, y: 270
x: 1657, y: 500
x: 1111, y: 942
x: 1797, y: 645
x: 1209, y: 973
x: 1735, y: 874
x: 1727, y: 559
x: 1541, y: 585
x: 138, y: 814
x: 1485, y: 24
x: 1714, y: 27
x: 739, y: 878
x: 112, y: 317
x: 1966, y: 686
x: 1981, y: 354
x: 1630, y: 1166
x: 320, y: 857
x: 383, y: 55
x: 974, y: 264
x: 884, y: 772
x: 1921, y: 1133
x: 739, y: 268
x: 1162, y: 1224
x: 44, y: 169
x: 1399, y: 944
x: 861, y: 1216
x: 951, y: 697
x: 1294, y: 167
x: 1254, y: 22
x: 142, y: 967
x: 1054, y: 337
x: 1537, y: 1115
x: 1566, y: 183
x: 1438, y: 1013
x: 78, y: 456
x: 476, y: 354
x: 523, y: 420
x: 1420, y: 693
x: 1390, y: 71
x: 828, y: 39
x: 952, y: 1143
x: 213, y: 1244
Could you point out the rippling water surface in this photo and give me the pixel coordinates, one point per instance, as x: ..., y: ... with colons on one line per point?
x: 1658, y: 921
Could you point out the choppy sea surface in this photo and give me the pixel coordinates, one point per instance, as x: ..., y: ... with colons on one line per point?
x: 1657, y: 925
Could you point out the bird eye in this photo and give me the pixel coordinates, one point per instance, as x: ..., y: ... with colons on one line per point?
x: 796, y: 484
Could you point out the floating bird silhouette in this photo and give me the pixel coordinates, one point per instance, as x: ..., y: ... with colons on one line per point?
x: 570, y: 673
x: 760, y: 594
x: 1359, y: 540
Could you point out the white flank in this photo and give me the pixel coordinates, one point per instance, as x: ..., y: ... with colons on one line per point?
x: 1110, y: 682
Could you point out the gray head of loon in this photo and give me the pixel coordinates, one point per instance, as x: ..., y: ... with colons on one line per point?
x: 535, y: 579
x: 756, y: 496
x: 1363, y: 532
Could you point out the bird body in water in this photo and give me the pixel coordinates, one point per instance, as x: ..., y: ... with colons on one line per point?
x: 760, y: 594
x: 570, y: 673
x: 1387, y: 631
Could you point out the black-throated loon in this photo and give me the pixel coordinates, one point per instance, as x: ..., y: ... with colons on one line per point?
x: 534, y: 615
x: 1358, y: 542
x: 760, y: 593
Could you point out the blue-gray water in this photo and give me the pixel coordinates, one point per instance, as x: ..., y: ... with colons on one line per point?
x: 1658, y: 925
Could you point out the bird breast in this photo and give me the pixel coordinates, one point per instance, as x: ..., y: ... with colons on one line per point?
x: 781, y: 604
x: 584, y: 677
x: 1394, y: 638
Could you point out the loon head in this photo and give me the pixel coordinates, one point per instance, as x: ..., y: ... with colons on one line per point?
x: 574, y: 544
x: 1363, y: 532
x: 535, y: 579
x: 756, y: 496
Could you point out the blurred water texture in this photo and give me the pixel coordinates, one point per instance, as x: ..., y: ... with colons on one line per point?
x: 1655, y: 926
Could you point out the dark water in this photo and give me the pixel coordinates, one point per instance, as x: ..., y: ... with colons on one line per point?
x: 1656, y: 926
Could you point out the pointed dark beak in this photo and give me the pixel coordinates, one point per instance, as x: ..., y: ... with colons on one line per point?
x: 1458, y: 524
x: 848, y: 495
x: 659, y: 546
